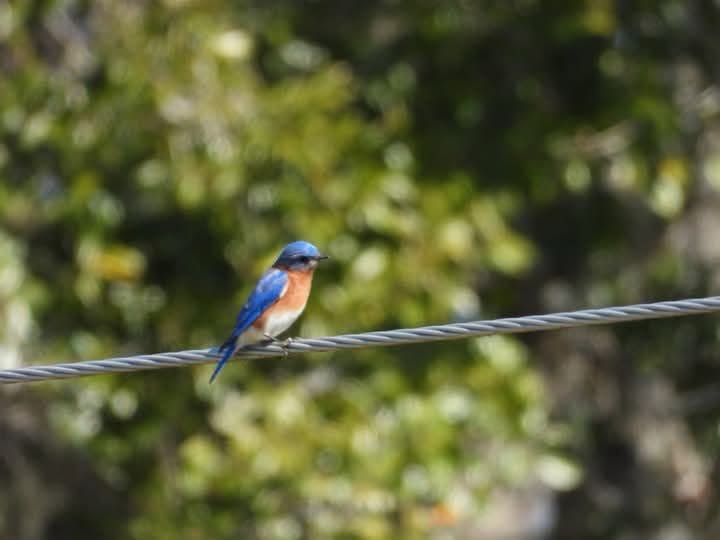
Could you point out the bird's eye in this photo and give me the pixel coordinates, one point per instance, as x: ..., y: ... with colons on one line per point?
x: 304, y: 260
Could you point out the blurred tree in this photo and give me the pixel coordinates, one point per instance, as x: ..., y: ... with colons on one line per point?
x: 458, y: 160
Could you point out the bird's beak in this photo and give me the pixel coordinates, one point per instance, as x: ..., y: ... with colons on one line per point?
x: 321, y: 257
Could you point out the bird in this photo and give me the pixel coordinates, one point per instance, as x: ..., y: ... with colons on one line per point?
x: 278, y: 299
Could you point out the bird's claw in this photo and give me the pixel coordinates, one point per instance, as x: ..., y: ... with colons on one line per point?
x: 282, y: 343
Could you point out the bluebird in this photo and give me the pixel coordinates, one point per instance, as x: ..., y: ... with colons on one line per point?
x: 276, y: 302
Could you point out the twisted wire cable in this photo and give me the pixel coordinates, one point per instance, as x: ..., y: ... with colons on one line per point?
x: 514, y: 325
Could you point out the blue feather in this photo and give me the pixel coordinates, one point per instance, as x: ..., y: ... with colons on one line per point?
x: 265, y: 294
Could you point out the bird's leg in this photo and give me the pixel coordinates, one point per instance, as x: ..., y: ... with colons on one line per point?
x: 283, y: 343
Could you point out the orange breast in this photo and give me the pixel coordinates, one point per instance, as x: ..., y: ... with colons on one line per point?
x: 295, y: 297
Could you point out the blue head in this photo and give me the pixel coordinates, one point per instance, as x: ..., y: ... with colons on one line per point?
x: 299, y: 255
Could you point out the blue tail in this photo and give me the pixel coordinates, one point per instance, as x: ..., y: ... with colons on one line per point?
x: 229, y: 347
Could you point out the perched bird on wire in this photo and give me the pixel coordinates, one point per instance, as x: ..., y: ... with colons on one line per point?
x: 276, y: 302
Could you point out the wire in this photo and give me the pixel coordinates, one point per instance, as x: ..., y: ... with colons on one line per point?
x: 387, y: 338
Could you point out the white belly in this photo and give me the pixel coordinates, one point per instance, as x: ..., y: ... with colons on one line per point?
x: 275, y: 323
x: 279, y: 321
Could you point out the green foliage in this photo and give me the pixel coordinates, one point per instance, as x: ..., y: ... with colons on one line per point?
x: 457, y: 160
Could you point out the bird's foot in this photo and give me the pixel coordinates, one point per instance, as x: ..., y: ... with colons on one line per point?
x: 282, y: 343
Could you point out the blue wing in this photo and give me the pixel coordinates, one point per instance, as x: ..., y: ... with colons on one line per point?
x: 266, y: 293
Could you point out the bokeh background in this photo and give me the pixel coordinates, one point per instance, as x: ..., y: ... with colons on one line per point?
x: 458, y: 160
